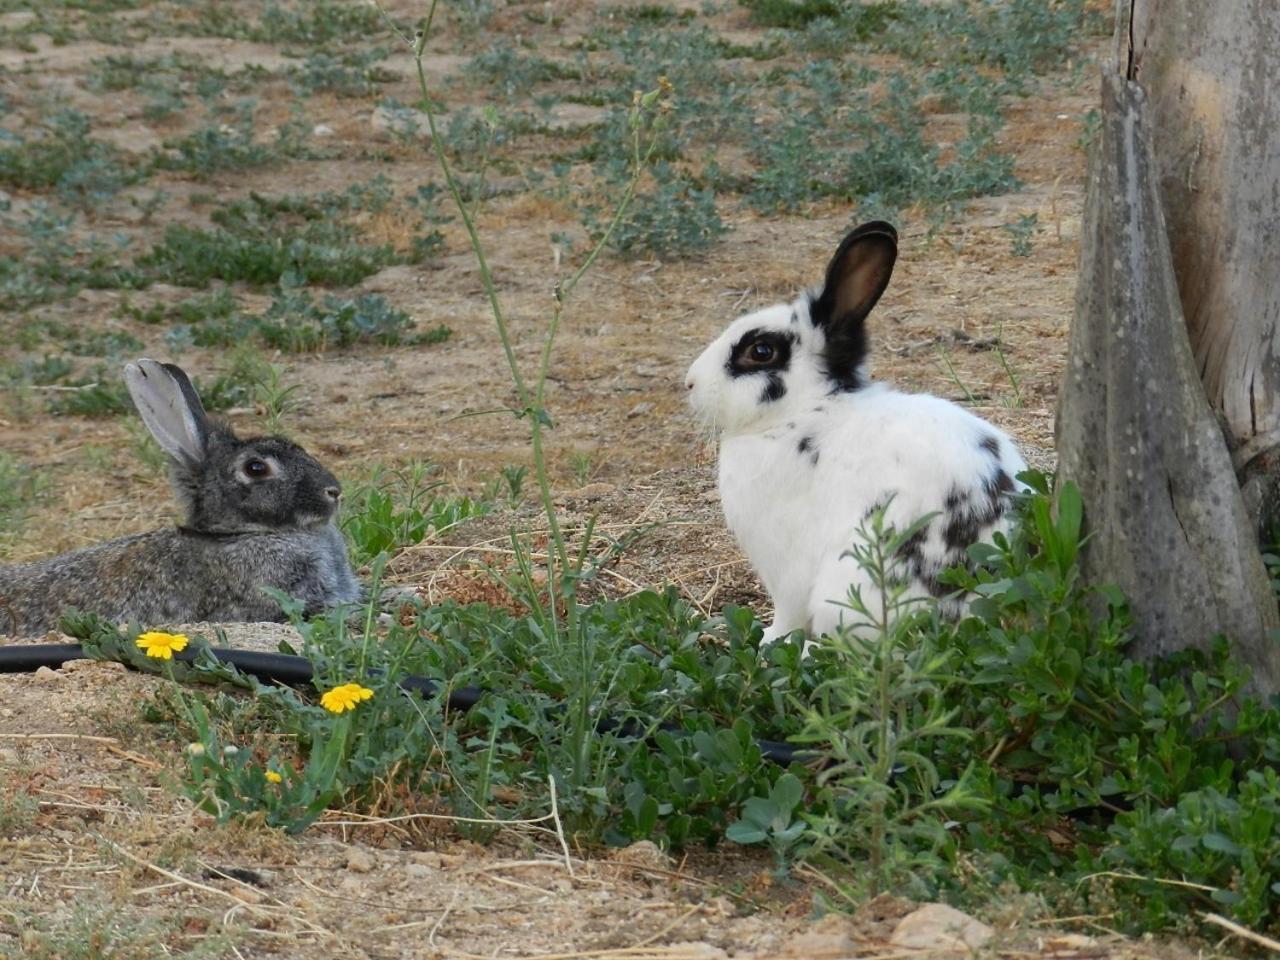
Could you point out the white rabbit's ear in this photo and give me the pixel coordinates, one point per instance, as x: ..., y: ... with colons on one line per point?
x: 856, y: 277
x: 857, y: 274
x: 170, y: 407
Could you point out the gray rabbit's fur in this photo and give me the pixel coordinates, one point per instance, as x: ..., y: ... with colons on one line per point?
x: 258, y: 512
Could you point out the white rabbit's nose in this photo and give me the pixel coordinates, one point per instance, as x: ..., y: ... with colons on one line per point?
x: 688, y: 383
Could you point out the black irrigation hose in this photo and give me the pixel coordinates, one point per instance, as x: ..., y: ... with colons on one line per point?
x: 296, y: 671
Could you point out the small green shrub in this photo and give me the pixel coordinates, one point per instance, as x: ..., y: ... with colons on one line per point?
x: 221, y: 147
x: 20, y: 487
x: 295, y: 322
x: 354, y: 74
x: 675, y: 219
x: 262, y: 241
x: 101, y: 393
x: 306, y: 25
x: 392, y: 510
x: 792, y: 14
x: 191, y: 256
x: 66, y: 158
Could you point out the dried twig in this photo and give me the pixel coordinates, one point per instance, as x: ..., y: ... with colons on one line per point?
x: 1244, y: 932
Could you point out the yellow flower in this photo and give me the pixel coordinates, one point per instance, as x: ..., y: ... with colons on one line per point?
x: 273, y: 777
x: 161, y: 645
x: 345, y: 697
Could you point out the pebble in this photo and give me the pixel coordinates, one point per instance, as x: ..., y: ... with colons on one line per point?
x: 639, y: 410
x: 359, y: 860
x: 936, y: 926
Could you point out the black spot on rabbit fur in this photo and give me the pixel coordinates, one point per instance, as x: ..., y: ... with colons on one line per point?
x: 775, y: 389
x: 806, y: 445
x: 991, y: 445
x: 911, y: 553
x: 969, y: 512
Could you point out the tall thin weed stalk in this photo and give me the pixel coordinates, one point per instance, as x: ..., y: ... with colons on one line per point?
x: 573, y: 646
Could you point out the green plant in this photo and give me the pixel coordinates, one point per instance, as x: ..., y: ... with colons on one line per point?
x: 515, y: 475
x: 350, y: 74
x: 773, y: 819
x: 83, y: 171
x: 295, y: 322
x: 392, y: 510
x: 1021, y: 232
x: 20, y: 488
x: 1003, y: 358
x: 881, y: 715
x: 675, y: 219
x: 309, y: 25
x: 261, y: 254
x: 792, y: 14
x: 582, y: 467
x: 277, y: 400
x: 218, y: 147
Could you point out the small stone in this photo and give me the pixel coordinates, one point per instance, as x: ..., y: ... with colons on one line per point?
x: 698, y: 951
x: 94, y: 666
x: 936, y: 926
x: 427, y: 858
x: 246, y: 894
x: 575, y: 116
x: 1068, y: 942
x: 399, y: 123
x: 830, y: 938
x: 321, y: 130
x: 8, y: 755
x: 639, y: 409
x: 359, y: 860
x: 642, y: 853
x: 592, y: 491
x: 45, y: 675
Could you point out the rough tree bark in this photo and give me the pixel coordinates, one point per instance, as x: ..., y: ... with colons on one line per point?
x: 1135, y: 430
x: 1211, y: 72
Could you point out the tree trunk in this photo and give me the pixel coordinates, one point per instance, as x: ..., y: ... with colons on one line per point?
x: 1211, y: 71
x: 1135, y: 431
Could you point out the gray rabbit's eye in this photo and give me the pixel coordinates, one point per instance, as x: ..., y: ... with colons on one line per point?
x: 256, y: 469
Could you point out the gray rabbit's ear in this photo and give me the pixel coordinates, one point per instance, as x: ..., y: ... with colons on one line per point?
x: 170, y: 407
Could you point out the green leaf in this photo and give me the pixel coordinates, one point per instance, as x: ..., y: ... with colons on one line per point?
x: 787, y: 793
x: 745, y: 833
x: 1220, y: 844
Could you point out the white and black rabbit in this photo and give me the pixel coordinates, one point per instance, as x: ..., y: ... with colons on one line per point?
x: 258, y: 512
x: 810, y: 447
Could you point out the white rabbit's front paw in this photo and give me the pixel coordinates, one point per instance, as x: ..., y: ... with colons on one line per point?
x: 784, y: 624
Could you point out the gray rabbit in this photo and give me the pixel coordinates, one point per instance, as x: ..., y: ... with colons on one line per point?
x: 258, y: 513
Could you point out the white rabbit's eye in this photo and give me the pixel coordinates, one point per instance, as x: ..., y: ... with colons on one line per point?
x: 761, y: 351
x: 256, y: 469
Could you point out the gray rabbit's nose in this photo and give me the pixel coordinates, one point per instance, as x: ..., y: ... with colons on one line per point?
x: 333, y: 493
